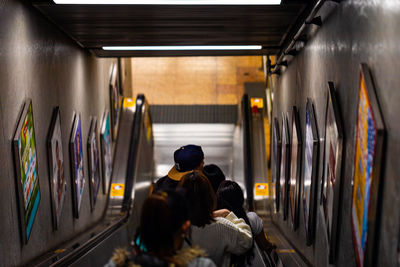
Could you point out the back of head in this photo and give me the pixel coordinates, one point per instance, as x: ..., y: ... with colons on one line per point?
x: 188, y: 158
x: 214, y: 175
x: 163, y: 214
x: 230, y: 196
x: 200, y: 198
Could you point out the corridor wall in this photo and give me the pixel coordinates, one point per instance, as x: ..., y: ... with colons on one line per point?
x: 355, y: 32
x: 38, y: 61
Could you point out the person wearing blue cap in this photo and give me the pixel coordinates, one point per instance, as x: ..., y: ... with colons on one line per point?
x: 187, y: 158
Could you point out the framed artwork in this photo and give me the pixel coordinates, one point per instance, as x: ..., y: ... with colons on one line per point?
x: 94, y: 162
x: 78, y: 174
x: 276, y: 157
x: 284, y: 167
x: 106, y: 150
x: 310, y: 182
x: 331, y: 181
x: 58, y: 183
x: 120, y: 77
x: 366, y: 197
x: 24, y: 148
x: 115, y: 101
x: 294, y: 176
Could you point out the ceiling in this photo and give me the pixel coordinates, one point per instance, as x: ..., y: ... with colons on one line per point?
x: 95, y: 26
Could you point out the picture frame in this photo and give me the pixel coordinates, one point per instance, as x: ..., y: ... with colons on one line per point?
x: 276, y: 157
x: 57, y: 179
x: 331, y: 184
x: 26, y: 168
x: 93, y: 162
x: 295, y: 169
x: 367, y: 180
x: 310, y: 173
x: 115, y: 101
x: 77, y: 164
x: 106, y: 150
x: 284, y: 167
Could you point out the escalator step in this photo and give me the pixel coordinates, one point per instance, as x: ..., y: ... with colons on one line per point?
x: 194, y: 113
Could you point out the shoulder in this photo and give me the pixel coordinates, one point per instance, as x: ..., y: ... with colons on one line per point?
x: 256, y: 222
x: 201, y: 262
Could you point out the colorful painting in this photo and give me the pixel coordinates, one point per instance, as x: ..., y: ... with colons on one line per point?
x: 24, y: 143
x: 78, y: 175
x: 284, y: 168
x: 58, y: 182
x: 276, y: 159
x: 365, y: 182
x: 115, y: 101
x: 331, y: 187
x: 106, y: 150
x: 310, y: 173
x: 294, y: 176
x: 94, y: 163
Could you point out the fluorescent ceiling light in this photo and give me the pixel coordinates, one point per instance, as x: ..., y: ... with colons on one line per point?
x: 169, y: 2
x: 184, y: 48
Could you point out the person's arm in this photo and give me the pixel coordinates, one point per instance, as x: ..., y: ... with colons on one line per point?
x: 236, y: 233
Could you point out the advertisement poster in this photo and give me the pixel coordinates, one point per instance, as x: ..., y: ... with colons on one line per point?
x: 284, y: 179
x: 330, y: 193
x: 307, y: 168
x: 106, y: 150
x: 56, y: 164
x: 94, y: 163
x: 310, y: 172
x: 295, y: 158
x: 329, y: 182
x: 27, y: 169
x: 115, y: 101
x: 77, y: 164
x: 366, y: 170
x: 276, y: 158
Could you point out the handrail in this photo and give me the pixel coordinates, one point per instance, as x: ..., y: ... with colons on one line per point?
x: 133, y: 152
x: 247, y: 151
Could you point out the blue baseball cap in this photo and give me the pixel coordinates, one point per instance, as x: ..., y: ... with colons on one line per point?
x: 187, y: 158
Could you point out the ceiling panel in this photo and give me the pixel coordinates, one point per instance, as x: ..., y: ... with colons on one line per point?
x: 95, y: 26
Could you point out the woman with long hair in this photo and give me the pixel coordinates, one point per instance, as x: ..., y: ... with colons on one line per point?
x: 164, y: 224
x: 220, y: 233
x: 230, y: 196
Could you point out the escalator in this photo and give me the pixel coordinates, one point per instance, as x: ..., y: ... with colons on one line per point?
x: 144, y: 152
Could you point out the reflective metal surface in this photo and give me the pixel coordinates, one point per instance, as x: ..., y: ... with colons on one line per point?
x: 215, y: 139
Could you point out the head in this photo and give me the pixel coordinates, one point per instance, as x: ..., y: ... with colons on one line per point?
x: 164, y: 222
x: 200, y: 198
x: 214, y: 175
x: 230, y: 196
x: 230, y: 193
x: 187, y: 158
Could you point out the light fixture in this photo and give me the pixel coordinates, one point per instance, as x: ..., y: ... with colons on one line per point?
x: 183, y: 48
x: 168, y: 2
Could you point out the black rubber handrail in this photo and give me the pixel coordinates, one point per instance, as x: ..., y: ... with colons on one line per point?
x: 133, y: 153
x: 247, y: 150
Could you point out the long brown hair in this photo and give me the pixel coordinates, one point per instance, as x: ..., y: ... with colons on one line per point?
x: 200, y: 197
x: 163, y: 214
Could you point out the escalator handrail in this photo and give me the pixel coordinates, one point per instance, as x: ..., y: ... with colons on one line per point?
x: 247, y: 150
x: 133, y: 152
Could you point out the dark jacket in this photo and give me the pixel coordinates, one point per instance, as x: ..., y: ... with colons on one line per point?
x: 165, y: 184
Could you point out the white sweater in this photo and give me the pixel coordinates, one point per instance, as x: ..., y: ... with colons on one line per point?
x: 223, y: 237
